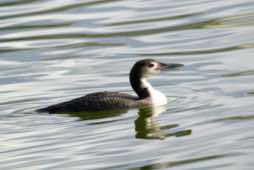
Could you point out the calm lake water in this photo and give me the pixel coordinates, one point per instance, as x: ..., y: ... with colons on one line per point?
x: 55, y: 50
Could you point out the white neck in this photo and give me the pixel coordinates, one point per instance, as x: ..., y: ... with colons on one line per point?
x: 157, y: 97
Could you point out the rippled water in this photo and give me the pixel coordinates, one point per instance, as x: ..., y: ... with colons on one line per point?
x: 55, y: 50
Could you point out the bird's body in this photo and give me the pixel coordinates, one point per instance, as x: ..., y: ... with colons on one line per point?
x: 104, y: 101
x: 146, y: 94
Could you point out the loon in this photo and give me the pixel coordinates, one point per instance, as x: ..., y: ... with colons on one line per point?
x: 138, y: 77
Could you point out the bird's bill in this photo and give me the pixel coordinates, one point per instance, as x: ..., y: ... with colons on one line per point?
x: 169, y: 66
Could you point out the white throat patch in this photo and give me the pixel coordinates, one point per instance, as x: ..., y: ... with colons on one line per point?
x: 157, y: 97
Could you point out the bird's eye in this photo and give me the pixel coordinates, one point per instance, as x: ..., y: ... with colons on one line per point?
x: 151, y: 65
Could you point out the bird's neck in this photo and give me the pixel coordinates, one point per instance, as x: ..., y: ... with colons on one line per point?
x: 140, y: 86
x: 156, y: 97
x: 145, y: 90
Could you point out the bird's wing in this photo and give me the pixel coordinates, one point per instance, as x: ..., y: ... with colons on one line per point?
x: 95, y: 101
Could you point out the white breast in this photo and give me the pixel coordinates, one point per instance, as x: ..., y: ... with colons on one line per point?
x: 157, y: 97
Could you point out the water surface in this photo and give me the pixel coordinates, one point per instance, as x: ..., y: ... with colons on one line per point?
x: 55, y: 50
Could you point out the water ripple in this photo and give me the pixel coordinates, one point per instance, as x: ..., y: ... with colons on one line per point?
x: 53, y: 51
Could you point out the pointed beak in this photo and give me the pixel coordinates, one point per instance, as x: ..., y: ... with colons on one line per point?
x: 170, y: 66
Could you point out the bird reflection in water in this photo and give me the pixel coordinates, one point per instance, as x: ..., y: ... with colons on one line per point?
x: 97, y: 114
x: 147, y: 127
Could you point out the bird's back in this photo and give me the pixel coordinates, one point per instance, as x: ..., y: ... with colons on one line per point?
x: 95, y: 102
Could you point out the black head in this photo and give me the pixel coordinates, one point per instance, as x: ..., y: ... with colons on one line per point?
x: 145, y: 69
x: 148, y: 67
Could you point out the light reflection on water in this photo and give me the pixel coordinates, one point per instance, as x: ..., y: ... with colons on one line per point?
x: 53, y: 51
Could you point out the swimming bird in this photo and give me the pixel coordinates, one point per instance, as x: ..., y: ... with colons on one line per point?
x: 139, y: 75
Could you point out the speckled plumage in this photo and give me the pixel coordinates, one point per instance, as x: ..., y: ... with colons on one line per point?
x: 95, y: 101
x: 146, y: 95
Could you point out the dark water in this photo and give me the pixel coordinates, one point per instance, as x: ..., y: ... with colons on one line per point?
x: 55, y: 50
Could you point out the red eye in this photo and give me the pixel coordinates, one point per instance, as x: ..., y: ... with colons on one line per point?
x: 151, y: 65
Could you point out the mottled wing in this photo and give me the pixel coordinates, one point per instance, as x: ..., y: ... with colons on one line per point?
x: 94, y: 102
